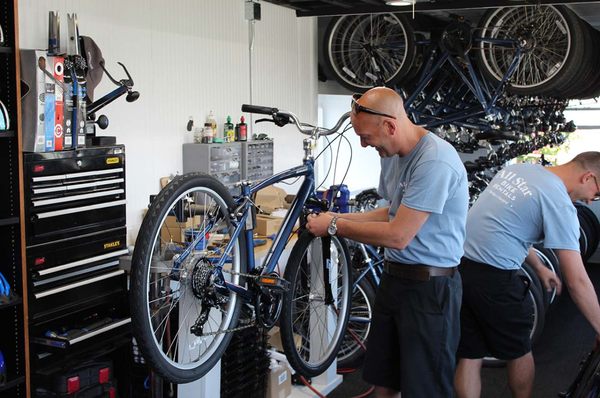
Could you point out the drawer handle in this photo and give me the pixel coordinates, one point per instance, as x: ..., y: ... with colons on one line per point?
x: 82, y: 262
x: 100, y: 331
x: 73, y: 198
x: 77, y: 284
x: 63, y: 212
x: 73, y: 187
x: 77, y: 175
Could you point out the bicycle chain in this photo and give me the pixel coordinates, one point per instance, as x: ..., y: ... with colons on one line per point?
x: 236, y: 329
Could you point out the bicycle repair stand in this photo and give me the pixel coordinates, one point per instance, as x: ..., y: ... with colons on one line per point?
x: 209, y: 385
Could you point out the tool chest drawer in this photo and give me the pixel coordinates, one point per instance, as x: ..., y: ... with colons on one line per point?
x: 76, y: 295
x: 71, y: 336
x: 74, y: 192
x: 70, y: 260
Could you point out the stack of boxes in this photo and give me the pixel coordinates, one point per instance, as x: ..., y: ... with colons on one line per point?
x: 48, y: 104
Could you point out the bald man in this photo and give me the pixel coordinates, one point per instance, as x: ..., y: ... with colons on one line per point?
x: 415, y: 326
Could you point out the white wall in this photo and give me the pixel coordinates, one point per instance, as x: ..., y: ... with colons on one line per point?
x: 364, y: 163
x: 187, y: 57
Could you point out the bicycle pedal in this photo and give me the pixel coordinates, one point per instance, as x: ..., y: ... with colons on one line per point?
x: 273, y: 282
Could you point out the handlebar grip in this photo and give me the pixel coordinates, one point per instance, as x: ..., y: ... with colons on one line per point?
x: 265, y: 110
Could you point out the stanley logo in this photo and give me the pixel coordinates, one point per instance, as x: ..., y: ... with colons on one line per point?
x: 110, y: 245
x: 112, y: 160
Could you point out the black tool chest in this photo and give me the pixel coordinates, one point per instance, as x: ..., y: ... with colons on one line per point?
x: 75, y: 233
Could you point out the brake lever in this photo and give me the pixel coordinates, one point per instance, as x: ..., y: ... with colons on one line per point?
x: 264, y: 120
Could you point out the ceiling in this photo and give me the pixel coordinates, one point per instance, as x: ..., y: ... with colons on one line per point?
x: 587, y: 9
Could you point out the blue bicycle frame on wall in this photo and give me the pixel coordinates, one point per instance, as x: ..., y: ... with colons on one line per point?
x: 486, y: 96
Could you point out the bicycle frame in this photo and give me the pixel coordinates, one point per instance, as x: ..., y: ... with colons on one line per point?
x: 487, y: 98
x: 241, y: 213
x: 374, y: 263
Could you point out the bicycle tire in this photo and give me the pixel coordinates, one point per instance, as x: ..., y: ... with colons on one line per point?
x: 555, y: 25
x: 164, y: 299
x: 547, y: 256
x: 589, y: 384
x: 352, y: 352
x: 310, y: 344
x: 356, y: 45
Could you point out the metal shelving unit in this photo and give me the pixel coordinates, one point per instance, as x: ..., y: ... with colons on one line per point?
x: 14, y: 339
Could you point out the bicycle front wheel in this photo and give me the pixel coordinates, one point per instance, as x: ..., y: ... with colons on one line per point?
x: 316, y: 308
x: 182, y: 312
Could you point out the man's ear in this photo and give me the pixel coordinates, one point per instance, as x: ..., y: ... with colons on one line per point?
x: 389, y: 127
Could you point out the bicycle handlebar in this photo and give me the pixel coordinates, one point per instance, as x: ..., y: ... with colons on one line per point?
x: 281, y: 118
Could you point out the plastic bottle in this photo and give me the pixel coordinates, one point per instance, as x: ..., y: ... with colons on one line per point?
x: 207, y: 133
x: 213, y: 122
x: 198, y: 135
x: 228, y: 131
x: 241, y: 130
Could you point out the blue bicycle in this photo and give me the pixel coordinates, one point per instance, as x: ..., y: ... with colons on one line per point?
x: 195, y: 281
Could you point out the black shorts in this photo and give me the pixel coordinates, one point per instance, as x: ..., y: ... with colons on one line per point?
x: 414, y: 336
x: 496, y: 317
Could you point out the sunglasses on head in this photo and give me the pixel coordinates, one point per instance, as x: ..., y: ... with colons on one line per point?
x: 357, y: 108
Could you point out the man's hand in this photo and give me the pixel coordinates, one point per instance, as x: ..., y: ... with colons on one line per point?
x: 550, y: 280
x: 317, y: 224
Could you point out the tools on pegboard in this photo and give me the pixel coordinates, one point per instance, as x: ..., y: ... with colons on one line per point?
x: 58, y: 111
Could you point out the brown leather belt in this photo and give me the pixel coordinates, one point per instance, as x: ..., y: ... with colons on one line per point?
x: 416, y: 272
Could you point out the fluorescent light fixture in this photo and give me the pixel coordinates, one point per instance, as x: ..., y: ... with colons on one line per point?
x: 400, y: 2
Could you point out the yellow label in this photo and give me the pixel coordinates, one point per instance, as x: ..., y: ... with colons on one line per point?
x: 109, y: 245
x: 112, y: 160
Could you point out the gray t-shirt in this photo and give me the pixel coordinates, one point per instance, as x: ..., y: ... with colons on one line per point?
x: 430, y: 178
x: 523, y: 204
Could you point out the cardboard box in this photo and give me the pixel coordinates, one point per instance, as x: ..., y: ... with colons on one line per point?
x: 270, y: 198
x: 47, y: 107
x: 175, y: 231
x: 33, y: 101
x: 267, y: 225
x: 274, y: 338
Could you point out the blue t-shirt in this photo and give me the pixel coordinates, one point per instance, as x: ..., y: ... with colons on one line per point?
x: 430, y: 178
x: 523, y: 204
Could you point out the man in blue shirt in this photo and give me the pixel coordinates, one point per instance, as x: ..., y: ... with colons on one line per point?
x: 523, y: 204
x: 415, y: 326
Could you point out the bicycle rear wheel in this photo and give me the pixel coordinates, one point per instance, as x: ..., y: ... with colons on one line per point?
x: 553, y: 53
x: 316, y: 308
x: 181, y: 311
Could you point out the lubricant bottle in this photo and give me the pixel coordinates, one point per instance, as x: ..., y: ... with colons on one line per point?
x: 228, y: 131
x: 241, y: 130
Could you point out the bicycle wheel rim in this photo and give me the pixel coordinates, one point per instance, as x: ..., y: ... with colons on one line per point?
x: 353, y: 37
x: 185, y: 306
x: 551, y: 47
